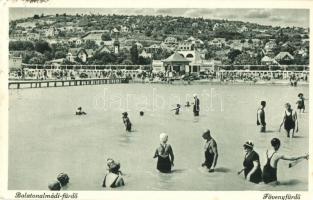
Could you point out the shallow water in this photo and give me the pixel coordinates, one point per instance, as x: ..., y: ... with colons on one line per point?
x: 46, y: 138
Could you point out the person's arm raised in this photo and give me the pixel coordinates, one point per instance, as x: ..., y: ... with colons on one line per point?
x: 292, y: 158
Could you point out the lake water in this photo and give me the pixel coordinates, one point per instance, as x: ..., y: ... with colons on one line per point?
x: 46, y: 138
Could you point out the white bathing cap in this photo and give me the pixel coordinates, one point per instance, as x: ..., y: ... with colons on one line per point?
x: 163, y: 136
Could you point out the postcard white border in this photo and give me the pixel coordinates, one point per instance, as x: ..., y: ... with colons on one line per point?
x: 151, y: 195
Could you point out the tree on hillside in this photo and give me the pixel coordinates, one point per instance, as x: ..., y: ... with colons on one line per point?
x: 233, y: 54
x: 90, y: 44
x: 106, y: 37
x: 21, y: 46
x: 36, y: 17
x: 60, y: 54
x: 134, y: 54
x: 245, y: 59
x: 42, y: 46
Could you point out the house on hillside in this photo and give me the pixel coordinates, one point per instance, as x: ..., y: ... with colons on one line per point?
x: 15, y: 62
x: 139, y: 45
x: 52, y: 32
x: 284, y: 58
x: 75, y: 41
x: 266, y: 60
x: 154, y: 48
x: 216, y: 26
x: 124, y: 29
x: 144, y: 54
x: 171, y: 42
x: 243, y: 29
x: 104, y: 49
x: 218, y: 42
x: 304, y: 52
x: 186, y: 45
x: 95, y: 36
x: 80, y: 53
x: 269, y: 48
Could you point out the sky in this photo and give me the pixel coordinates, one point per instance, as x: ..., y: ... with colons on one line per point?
x: 274, y: 17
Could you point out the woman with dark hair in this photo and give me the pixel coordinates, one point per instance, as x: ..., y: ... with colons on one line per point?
x: 114, y: 178
x: 300, y: 103
x: 270, y: 168
x: 251, y: 163
x: 126, y: 121
x: 63, y: 179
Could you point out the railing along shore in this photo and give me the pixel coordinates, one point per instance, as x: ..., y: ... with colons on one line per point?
x: 18, y: 84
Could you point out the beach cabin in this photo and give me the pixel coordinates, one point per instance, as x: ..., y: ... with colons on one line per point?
x: 176, y: 62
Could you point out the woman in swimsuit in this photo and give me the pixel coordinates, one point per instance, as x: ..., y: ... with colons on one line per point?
x: 210, y: 151
x: 300, y: 103
x: 165, y: 155
x: 251, y: 163
x: 290, y: 121
x: 114, y: 177
x: 126, y: 121
x: 270, y: 168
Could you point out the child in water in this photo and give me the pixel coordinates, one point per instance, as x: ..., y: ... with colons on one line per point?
x: 187, y: 104
x: 165, y: 155
x: 79, y: 111
x: 127, y: 122
x: 300, y: 103
x: 177, y: 109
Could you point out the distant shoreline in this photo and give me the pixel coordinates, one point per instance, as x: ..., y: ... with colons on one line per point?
x: 217, y: 82
x: 195, y: 82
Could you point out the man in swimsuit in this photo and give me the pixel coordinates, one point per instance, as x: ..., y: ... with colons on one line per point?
x: 270, y: 168
x: 261, y: 117
x: 210, y: 151
x: 196, y: 106
x: 290, y: 121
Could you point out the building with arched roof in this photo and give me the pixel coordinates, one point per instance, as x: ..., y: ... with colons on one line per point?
x: 176, y: 62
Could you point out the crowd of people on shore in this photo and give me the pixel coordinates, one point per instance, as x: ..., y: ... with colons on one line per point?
x: 158, y: 77
x: 252, y: 167
x: 65, y: 74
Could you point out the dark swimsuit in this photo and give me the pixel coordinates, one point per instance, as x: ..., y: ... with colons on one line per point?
x: 256, y: 177
x: 196, y: 107
x: 289, y: 122
x: 112, y: 185
x: 209, y: 155
x: 301, y: 104
x: 164, y: 163
x: 269, y: 172
x: 127, y: 123
x: 262, y: 118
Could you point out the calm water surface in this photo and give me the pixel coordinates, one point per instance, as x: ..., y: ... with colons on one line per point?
x: 46, y: 138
